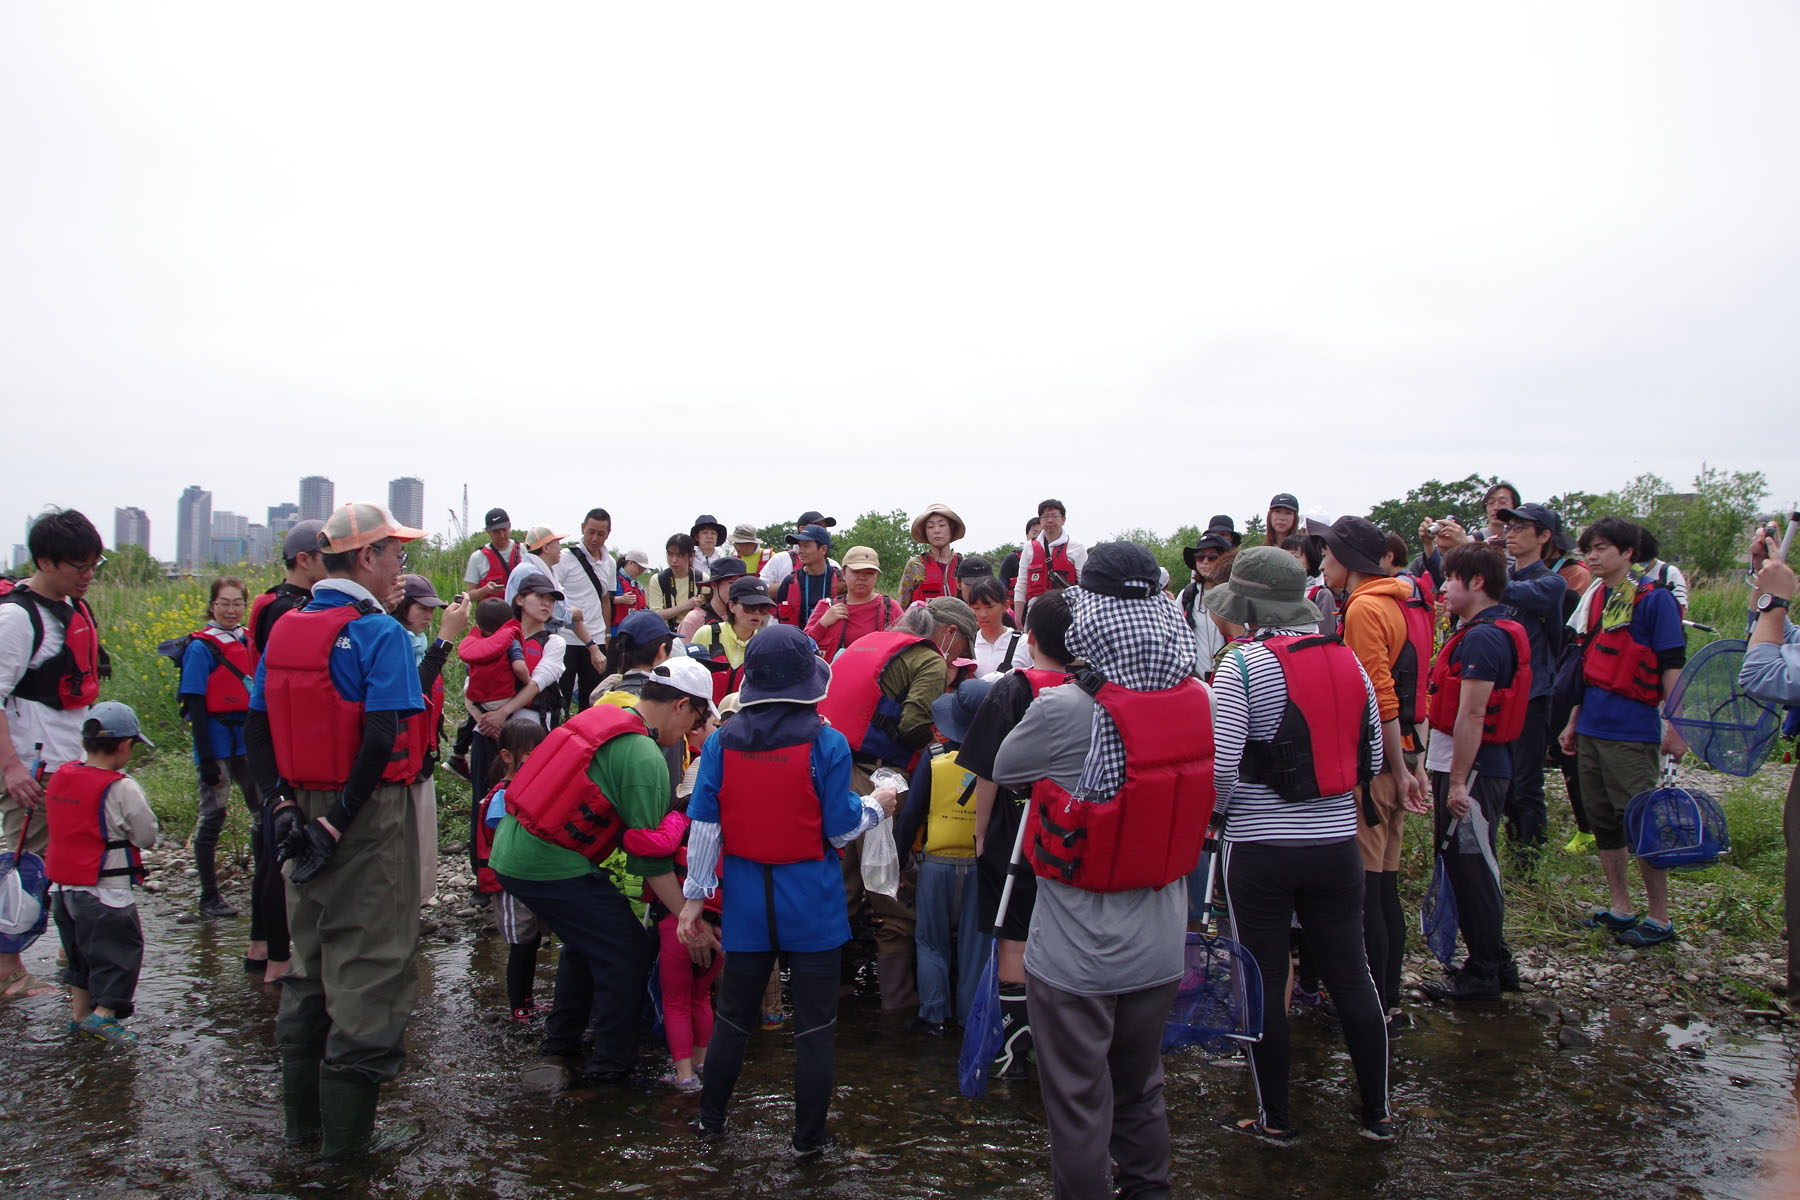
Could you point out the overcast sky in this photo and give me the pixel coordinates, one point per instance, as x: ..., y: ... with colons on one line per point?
x: 749, y: 259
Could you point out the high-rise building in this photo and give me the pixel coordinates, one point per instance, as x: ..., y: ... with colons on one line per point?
x: 193, y: 528
x: 282, y: 517
x: 131, y: 527
x: 406, y: 500
x: 262, y: 544
x: 20, y: 554
x: 318, y: 496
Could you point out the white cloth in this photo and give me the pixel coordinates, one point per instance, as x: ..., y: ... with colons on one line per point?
x: 989, y: 655
x: 126, y: 817
x: 572, y: 580
x: 31, y: 723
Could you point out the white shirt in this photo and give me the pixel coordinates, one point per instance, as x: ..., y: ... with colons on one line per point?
x: 574, y: 583
x: 989, y: 655
x: 1027, y: 556
x: 31, y: 723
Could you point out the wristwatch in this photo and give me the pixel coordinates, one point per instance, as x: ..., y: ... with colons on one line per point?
x: 1768, y: 602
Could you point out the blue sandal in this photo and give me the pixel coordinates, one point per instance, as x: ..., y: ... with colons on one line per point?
x: 1645, y: 933
x: 1605, y: 918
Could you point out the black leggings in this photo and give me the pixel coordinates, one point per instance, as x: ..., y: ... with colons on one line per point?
x: 1384, y: 933
x: 1266, y: 884
x: 521, y: 967
x: 813, y: 978
x: 268, y: 891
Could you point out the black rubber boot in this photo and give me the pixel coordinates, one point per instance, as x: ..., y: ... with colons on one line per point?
x: 206, y: 845
x: 347, y: 1114
x: 300, y: 1099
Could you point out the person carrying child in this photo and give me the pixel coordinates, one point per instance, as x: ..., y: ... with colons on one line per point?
x: 495, y: 657
x: 515, y: 922
x: 773, y: 799
x: 98, y: 819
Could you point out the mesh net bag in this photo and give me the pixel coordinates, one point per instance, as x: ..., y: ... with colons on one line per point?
x: 1728, y: 730
x: 1675, y: 828
x: 1220, y: 999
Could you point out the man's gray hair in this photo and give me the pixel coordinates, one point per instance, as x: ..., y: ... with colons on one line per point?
x: 918, y: 621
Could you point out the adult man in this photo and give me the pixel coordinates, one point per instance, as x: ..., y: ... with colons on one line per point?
x: 781, y: 564
x: 1050, y: 560
x: 1478, y: 708
x: 569, y: 621
x: 300, y: 556
x: 800, y: 591
x: 489, y: 565
x: 1535, y: 594
x: 1105, y: 951
x: 328, y: 713
x: 1394, y: 647
x: 837, y: 622
x: 596, y: 777
x: 1633, y: 652
x: 587, y: 575
x: 880, y: 698
x: 1771, y: 672
x: 51, y: 663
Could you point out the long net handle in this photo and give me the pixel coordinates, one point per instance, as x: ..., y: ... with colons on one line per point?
x: 1012, y: 866
x: 1668, y: 770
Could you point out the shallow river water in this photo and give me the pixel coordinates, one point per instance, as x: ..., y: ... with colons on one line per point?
x: 1486, y: 1105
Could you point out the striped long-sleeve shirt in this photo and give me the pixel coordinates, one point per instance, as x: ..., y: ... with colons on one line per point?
x: 1249, y: 696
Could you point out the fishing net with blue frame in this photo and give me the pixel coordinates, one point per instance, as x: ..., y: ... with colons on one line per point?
x: 25, y: 871
x: 984, y: 1033
x: 1675, y: 828
x: 1220, y: 999
x: 1728, y: 730
x: 1438, y: 917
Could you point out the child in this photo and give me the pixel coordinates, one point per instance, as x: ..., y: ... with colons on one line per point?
x: 99, y: 818
x: 497, y: 669
x: 516, y: 923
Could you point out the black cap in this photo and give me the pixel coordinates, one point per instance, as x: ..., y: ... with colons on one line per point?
x: 813, y: 516
x: 1223, y: 524
x: 751, y: 590
x: 1358, y: 545
x: 1122, y: 569
x: 1285, y: 500
x: 975, y: 567
x: 497, y: 519
x: 1208, y: 541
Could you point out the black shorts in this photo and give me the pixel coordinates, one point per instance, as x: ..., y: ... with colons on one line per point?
x: 990, y: 871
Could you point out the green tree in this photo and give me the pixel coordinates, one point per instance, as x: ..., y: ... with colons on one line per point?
x: 889, y: 535
x: 1432, y: 499
x: 132, y: 565
x: 1575, y: 508
x: 1716, y: 523
x: 1254, y: 530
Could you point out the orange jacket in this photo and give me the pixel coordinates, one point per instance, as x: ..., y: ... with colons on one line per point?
x: 1375, y: 631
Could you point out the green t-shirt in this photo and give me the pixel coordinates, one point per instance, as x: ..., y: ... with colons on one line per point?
x: 631, y: 773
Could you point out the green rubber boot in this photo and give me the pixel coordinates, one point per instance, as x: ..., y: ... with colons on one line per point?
x: 300, y: 1099
x: 347, y: 1113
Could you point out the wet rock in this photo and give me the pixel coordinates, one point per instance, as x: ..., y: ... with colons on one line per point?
x: 1571, y: 1038
x: 1626, y: 956
x: 1545, y: 1009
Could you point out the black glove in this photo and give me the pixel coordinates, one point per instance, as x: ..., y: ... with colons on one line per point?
x: 211, y: 772
x: 311, y: 848
x: 288, y: 819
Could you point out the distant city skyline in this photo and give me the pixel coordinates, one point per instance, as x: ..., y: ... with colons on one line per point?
x: 131, y: 527
x: 406, y: 500
x: 316, y: 497
x: 193, y: 528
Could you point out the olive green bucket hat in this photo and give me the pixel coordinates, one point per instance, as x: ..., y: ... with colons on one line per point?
x: 1267, y: 588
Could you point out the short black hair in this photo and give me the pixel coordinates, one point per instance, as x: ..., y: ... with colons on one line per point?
x: 986, y: 590
x: 597, y: 514
x: 96, y: 744
x: 1308, y: 548
x: 1058, y: 505
x: 491, y: 614
x: 1049, y: 621
x: 1498, y: 486
x: 1647, y: 547
x: 63, y: 535
x: 1616, y: 531
x: 683, y: 542
x: 1396, y: 551
x: 1036, y: 521
x: 1476, y: 558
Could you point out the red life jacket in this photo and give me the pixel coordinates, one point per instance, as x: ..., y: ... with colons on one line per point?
x: 788, y: 608
x: 423, y: 731
x: 74, y: 806
x: 1040, y: 678
x: 552, y: 796
x: 1321, y: 746
x: 1614, y: 660
x: 290, y: 595
x: 228, y: 686
x: 1505, y: 717
x: 627, y: 600
x: 769, y: 810
x: 485, y: 880
x: 940, y: 579
x: 726, y: 677
x: 499, y: 568
x: 316, y: 732
x: 490, y: 674
x: 855, y: 704
x: 1051, y: 567
x: 70, y: 678
x: 1150, y: 833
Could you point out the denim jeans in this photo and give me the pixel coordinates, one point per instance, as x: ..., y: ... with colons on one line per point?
x: 947, y: 901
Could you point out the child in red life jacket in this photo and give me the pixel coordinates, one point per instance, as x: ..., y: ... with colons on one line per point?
x: 516, y: 923
x: 496, y: 670
x: 687, y: 977
x: 99, y: 818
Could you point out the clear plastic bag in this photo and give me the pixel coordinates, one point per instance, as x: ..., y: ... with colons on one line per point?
x: 880, y: 856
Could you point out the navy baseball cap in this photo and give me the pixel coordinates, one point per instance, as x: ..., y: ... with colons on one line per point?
x: 811, y: 533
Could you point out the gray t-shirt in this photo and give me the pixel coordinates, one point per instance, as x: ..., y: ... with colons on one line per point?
x: 1089, y: 943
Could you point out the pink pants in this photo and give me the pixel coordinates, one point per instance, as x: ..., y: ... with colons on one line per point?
x: 686, y: 997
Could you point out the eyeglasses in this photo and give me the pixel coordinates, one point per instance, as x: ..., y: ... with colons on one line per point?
x: 87, y: 568
x: 228, y: 604
x: 1522, y: 527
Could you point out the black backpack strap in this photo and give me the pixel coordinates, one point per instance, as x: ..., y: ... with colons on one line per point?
x: 1011, y: 649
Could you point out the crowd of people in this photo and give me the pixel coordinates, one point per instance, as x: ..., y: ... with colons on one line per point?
x: 726, y: 771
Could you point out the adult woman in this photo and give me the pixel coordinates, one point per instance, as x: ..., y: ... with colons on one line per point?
x: 673, y: 591
x: 933, y: 573
x: 709, y: 544
x: 771, y: 797
x: 215, y: 699
x: 717, y: 609
x: 418, y: 600
x: 544, y: 653
x: 1283, y: 519
x: 1283, y: 858
x: 724, y: 643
